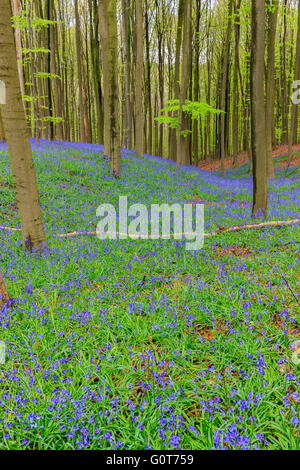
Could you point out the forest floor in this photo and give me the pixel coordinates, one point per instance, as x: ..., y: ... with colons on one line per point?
x: 280, y: 151
x: 142, y: 344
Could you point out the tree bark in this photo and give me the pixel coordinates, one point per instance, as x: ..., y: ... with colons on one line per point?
x: 109, y: 42
x: 272, y: 25
x: 84, y: 128
x: 16, y: 133
x: 225, y: 88
x: 258, y: 126
x: 294, y: 105
x: 235, y: 99
x: 139, y: 144
x: 173, y: 138
x: 148, y: 71
x: 185, y: 75
x: 55, y: 74
x: 127, y: 76
x: 16, y: 11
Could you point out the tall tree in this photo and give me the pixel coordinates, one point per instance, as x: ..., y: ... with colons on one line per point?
x: 16, y: 11
x: 173, y: 137
x: 272, y: 25
x: 56, y: 79
x: 258, y: 123
x: 109, y: 43
x: 185, y: 77
x: 84, y: 126
x: 294, y: 105
x: 2, y: 136
x: 127, y: 72
x: 139, y: 123
x: 235, y: 91
x: 17, y: 137
x: 225, y: 75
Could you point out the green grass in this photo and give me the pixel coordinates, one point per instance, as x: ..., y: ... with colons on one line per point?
x: 157, y: 346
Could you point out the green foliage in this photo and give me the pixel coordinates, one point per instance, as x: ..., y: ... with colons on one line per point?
x: 35, y: 50
x: 53, y: 119
x: 46, y: 75
x: 195, y: 110
x: 36, y: 22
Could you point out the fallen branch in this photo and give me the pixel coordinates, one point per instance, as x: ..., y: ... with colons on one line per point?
x: 10, y: 229
x: 278, y: 223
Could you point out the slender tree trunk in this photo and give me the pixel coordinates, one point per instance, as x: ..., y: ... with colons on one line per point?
x: 225, y: 88
x: 181, y: 157
x: 173, y: 138
x: 258, y: 127
x: 55, y: 76
x: 294, y: 105
x: 139, y: 145
x: 84, y: 130
x: 16, y: 12
x: 195, y: 153
x: 272, y: 25
x: 108, y: 32
x: 126, y: 46
x: 16, y: 133
x: 36, y: 111
x: 284, y: 135
x: 148, y: 71
x: 235, y: 111
x: 49, y: 85
x: 103, y: 23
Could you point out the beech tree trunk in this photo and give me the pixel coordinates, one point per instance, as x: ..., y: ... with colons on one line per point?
x: 2, y: 136
x: 17, y: 137
x: 148, y: 70
x: 185, y: 74
x: 173, y: 137
x: 127, y: 76
x: 235, y: 99
x: 55, y: 72
x: 225, y: 87
x: 294, y: 105
x: 16, y: 12
x: 84, y: 128
x: 258, y: 124
x: 272, y: 25
x: 109, y: 43
x: 139, y: 145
